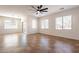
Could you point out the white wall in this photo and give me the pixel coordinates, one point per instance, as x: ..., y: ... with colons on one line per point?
x: 30, y: 30
x: 74, y: 33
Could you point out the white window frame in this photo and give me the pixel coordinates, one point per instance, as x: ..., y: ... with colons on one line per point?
x: 34, y: 24
x: 10, y: 22
x: 45, y: 24
x: 63, y: 23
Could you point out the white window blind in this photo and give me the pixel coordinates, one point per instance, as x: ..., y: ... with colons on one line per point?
x: 59, y: 23
x: 44, y: 24
x: 64, y: 22
x: 10, y: 24
x: 67, y: 22
x: 34, y: 24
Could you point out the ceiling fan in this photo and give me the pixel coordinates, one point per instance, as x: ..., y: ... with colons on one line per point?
x: 40, y: 9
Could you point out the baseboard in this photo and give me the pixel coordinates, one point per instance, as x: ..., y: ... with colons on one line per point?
x: 33, y: 33
x: 58, y: 36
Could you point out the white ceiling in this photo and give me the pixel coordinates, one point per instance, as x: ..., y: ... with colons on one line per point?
x: 56, y: 8
x: 23, y: 10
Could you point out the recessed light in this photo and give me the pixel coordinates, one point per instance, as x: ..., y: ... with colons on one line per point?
x: 61, y: 8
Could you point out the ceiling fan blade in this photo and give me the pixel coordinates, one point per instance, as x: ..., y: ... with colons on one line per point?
x: 34, y: 7
x: 44, y: 9
x: 39, y: 7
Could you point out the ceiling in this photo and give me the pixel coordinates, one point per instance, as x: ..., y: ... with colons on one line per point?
x: 23, y: 10
x: 56, y: 8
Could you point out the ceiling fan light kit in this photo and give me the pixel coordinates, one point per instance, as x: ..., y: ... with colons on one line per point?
x: 40, y: 10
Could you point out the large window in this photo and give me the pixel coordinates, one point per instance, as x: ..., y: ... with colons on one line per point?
x: 44, y: 24
x: 63, y: 22
x: 59, y: 23
x: 10, y: 24
x: 34, y: 24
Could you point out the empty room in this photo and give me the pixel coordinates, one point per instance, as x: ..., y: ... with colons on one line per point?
x: 39, y: 28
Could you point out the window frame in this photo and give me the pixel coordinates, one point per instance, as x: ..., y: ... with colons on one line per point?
x: 44, y: 24
x: 63, y: 23
x: 34, y: 24
x: 10, y: 23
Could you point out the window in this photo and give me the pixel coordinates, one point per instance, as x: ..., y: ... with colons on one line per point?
x: 10, y: 24
x: 34, y: 24
x: 59, y: 23
x: 67, y: 22
x: 44, y: 24
x: 63, y: 22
